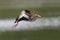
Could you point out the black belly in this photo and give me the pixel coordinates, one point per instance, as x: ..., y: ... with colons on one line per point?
x: 23, y: 18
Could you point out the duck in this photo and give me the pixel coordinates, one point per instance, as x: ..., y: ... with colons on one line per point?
x: 26, y: 15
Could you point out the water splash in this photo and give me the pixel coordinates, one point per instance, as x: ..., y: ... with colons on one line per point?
x: 6, y: 24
